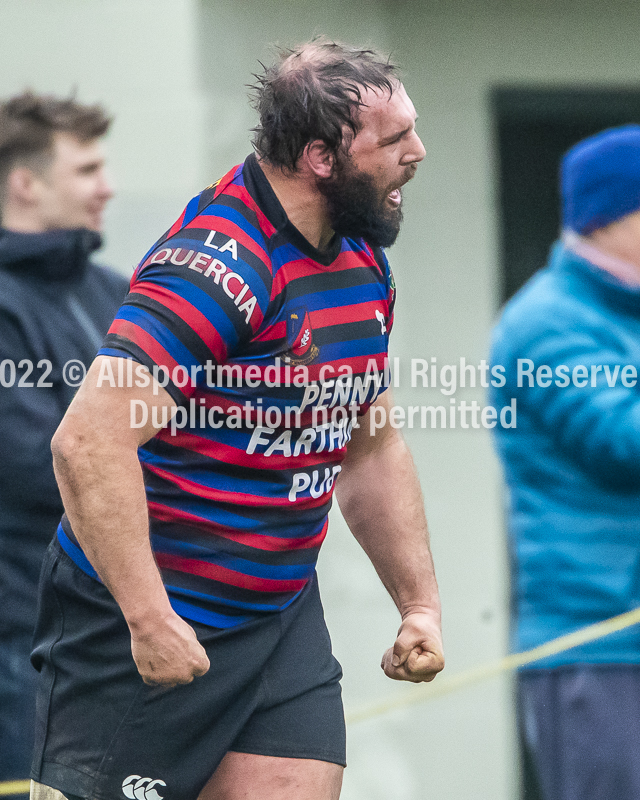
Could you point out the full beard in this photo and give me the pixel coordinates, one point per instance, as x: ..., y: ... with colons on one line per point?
x: 355, y: 208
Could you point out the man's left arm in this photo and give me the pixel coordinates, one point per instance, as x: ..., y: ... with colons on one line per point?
x: 380, y: 498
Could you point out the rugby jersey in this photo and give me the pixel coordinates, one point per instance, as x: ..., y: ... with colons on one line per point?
x: 272, y: 349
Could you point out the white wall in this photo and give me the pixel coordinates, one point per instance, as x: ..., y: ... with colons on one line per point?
x: 138, y: 58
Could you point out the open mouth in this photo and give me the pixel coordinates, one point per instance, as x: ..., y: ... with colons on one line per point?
x: 394, y: 198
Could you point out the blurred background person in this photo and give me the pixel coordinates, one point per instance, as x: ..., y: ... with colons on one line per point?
x: 55, y: 307
x: 569, y: 342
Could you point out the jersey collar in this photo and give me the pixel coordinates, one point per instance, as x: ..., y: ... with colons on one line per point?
x: 260, y: 190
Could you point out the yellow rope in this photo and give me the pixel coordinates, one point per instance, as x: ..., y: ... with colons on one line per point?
x: 14, y: 787
x: 446, y: 685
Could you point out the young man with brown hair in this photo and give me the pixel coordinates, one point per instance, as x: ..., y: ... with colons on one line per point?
x: 55, y: 306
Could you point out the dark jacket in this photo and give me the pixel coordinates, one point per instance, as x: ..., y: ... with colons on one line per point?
x: 55, y: 307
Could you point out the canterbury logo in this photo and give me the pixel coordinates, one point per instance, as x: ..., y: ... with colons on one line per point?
x: 136, y: 788
x: 381, y: 320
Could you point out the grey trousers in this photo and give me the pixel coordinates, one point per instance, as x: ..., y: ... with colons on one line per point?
x: 580, y: 728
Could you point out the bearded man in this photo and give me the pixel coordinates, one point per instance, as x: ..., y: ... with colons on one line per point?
x: 180, y: 608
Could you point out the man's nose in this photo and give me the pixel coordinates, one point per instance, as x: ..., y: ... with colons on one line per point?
x: 419, y: 149
x: 105, y: 186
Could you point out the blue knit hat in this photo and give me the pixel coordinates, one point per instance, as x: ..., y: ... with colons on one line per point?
x: 600, y: 179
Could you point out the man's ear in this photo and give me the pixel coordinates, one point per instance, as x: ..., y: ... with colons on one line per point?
x: 318, y: 158
x: 21, y: 186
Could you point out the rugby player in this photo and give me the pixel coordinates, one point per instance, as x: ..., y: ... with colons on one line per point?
x: 181, y: 641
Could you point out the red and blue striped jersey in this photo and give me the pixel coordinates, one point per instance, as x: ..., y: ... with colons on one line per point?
x: 272, y: 350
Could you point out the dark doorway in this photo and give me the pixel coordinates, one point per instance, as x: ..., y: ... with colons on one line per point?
x: 534, y: 127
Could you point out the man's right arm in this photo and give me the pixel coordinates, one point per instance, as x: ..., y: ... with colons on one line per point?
x: 102, y: 488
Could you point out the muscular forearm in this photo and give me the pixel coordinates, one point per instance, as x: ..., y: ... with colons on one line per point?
x: 380, y: 498
x: 381, y: 501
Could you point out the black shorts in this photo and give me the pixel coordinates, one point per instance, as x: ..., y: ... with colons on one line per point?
x: 102, y: 733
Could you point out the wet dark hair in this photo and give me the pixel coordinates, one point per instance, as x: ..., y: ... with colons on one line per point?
x: 29, y: 121
x: 314, y: 92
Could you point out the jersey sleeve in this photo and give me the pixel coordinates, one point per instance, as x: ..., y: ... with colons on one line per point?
x: 196, y: 299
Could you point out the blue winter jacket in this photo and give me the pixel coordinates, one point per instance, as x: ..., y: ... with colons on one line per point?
x: 572, y: 463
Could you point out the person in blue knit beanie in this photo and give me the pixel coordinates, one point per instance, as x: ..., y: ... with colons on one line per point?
x: 569, y: 343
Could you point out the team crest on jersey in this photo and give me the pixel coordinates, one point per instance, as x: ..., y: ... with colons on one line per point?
x: 302, y: 350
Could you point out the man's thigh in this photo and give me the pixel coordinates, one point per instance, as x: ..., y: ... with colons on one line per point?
x: 581, y: 727
x: 245, y: 776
